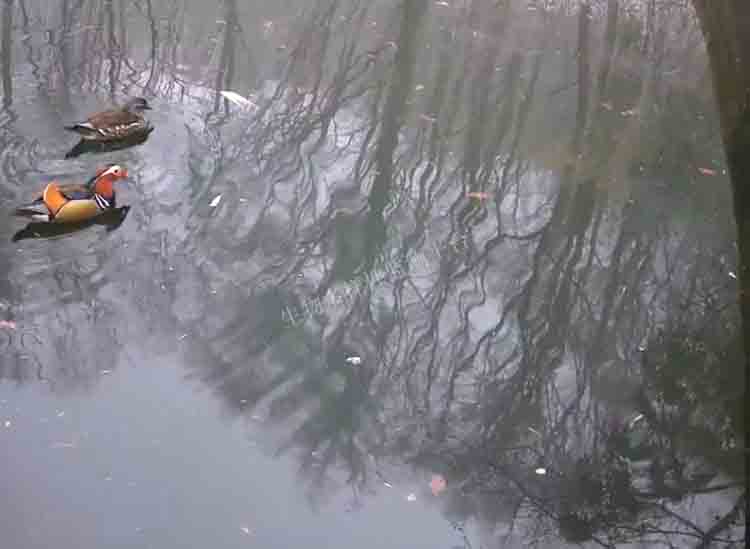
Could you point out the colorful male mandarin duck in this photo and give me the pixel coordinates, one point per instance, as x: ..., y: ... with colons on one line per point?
x: 114, y: 124
x: 74, y: 202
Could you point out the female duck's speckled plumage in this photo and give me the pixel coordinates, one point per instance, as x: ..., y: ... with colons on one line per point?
x: 114, y: 124
x: 74, y: 203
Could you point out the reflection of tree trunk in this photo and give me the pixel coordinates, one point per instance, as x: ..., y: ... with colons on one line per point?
x: 6, y: 51
x: 545, y: 310
x: 393, y: 116
x: 480, y: 90
x: 35, y: 71
x: 725, y: 26
x: 225, y: 72
x: 583, y: 76
x: 121, y: 31
x: 610, y: 37
x: 154, y: 45
x: 112, y: 53
x: 69, y: 14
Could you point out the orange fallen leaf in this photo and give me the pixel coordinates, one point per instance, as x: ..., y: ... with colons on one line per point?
x: 707, y: 171
x: 437, y: 484
x: 480, y: 196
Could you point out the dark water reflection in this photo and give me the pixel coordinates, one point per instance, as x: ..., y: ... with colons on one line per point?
x: 481, y: 240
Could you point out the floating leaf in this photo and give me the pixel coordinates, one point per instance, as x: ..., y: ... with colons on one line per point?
x: 479, y: 195
x: 63, y: 445
x: 437, y: 484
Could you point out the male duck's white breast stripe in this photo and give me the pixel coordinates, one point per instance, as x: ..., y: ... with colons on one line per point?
x: 102, y: 202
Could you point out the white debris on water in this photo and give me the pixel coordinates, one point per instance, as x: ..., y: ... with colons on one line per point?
x: 237, y: 99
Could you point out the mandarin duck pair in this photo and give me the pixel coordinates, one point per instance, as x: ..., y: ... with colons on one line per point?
x: 77, y: 203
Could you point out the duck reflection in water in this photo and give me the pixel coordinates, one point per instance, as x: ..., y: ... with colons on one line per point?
x: 111, y: 219
x: 88, y: 146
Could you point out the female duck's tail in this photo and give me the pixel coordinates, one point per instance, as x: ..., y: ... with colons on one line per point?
x: 82, y: 128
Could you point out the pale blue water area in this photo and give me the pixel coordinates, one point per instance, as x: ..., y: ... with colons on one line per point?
x: 146, y: 458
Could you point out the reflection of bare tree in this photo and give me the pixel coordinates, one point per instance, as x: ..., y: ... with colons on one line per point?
x: 582, y: 255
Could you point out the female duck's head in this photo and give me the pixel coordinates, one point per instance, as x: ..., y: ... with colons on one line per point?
x: 137, y: 104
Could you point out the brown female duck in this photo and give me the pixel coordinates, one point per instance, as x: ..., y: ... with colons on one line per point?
x: 115, y: 124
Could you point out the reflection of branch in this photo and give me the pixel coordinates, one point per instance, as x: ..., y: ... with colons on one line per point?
x: 154, y: 33
x: 5, y: 52
x: 724, y: 522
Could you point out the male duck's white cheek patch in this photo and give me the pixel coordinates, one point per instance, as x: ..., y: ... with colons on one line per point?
x: 112, y: 170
